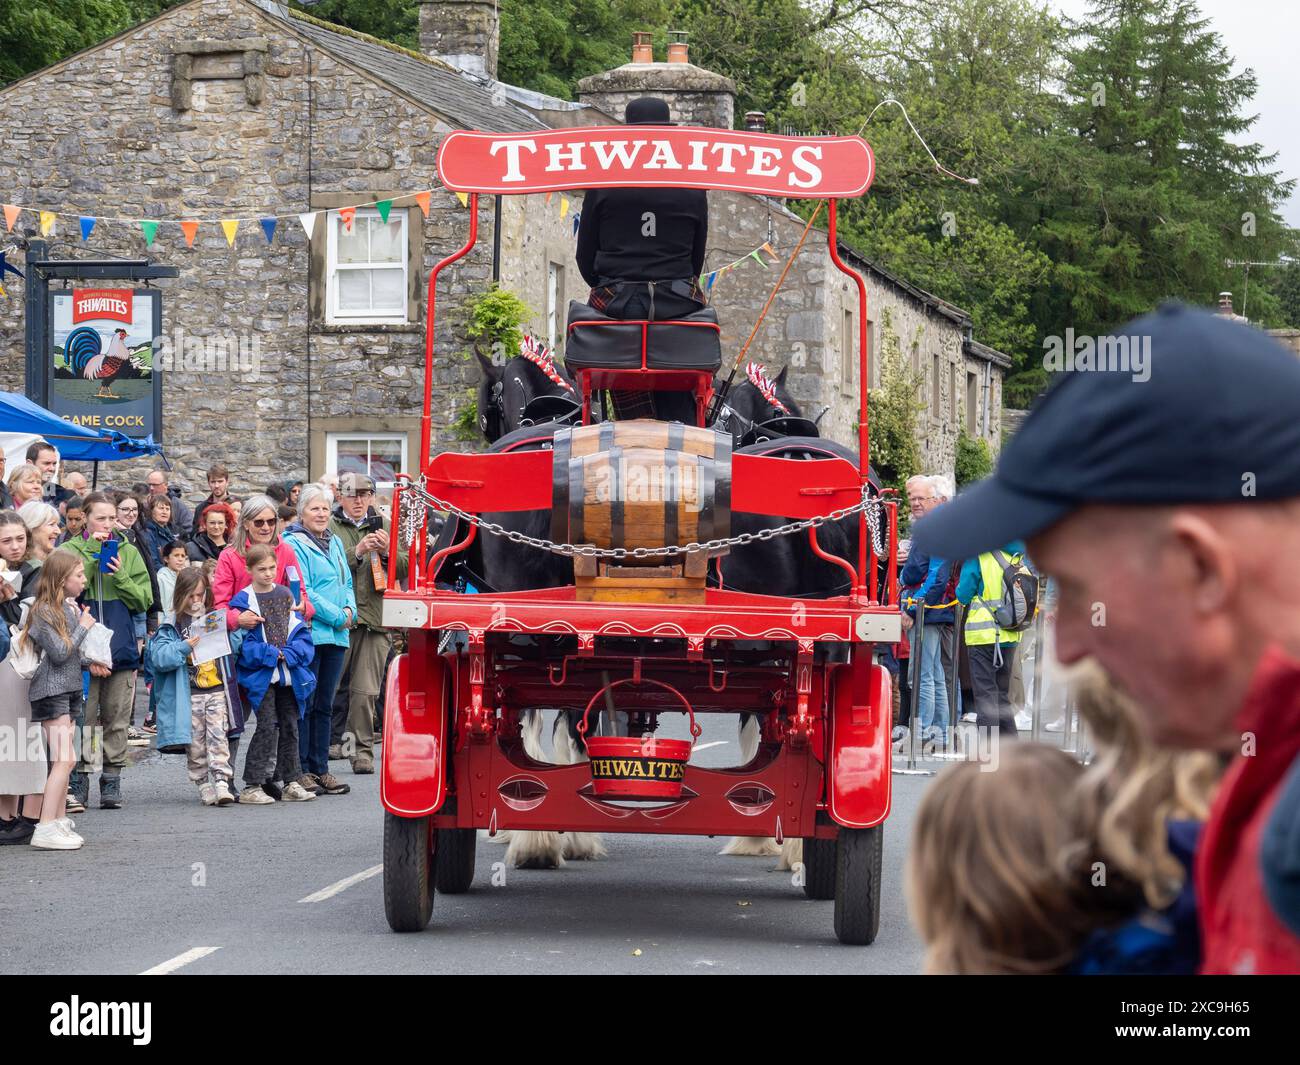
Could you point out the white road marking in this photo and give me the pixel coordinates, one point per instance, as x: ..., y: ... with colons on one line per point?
x: 343, y: 885
x: 715, y: 743
x: 172, y: 964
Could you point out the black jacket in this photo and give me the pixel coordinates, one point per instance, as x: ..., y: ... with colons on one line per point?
x: 201, y: 548
x: 613, y: 244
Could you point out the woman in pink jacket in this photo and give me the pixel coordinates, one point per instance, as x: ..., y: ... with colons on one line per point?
x: 256, y: 526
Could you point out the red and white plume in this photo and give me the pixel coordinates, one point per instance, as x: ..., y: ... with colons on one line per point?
x: 539, y: 355
x: 765, y: 385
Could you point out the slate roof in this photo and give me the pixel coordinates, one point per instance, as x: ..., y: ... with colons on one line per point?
x: 464, y: 100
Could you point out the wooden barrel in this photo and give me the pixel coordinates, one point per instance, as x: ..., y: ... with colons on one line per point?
x: 641, y: 483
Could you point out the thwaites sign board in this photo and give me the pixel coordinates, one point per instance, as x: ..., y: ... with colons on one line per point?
x: 100, y: 371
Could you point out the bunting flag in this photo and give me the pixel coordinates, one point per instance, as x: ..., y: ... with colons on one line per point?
x: 548, y: 196
x: 150, y: 230
x: 268, y: 227
x: 189, y: 228
x: 758, y: 258
x: 348, y: 215
x: 308, y: 222
x: 712, y: 278
x: 422, y: 198
x: 11, y: 216
x: 48, y: 219
x: 229, y: 226
x: 577, y: 216
x: 87, y: 224
x: 383, y: 207
x: 564, y: 206
x: 464, y: 198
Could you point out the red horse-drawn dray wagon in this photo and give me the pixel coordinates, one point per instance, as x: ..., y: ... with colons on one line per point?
x: 646, y: 511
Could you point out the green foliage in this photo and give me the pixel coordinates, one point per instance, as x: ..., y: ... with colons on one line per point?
x: 465, y: 425
x: 396, y: 21
x: 493, y: 319
x: 891, y: 413
x: 36, y: 33
x: 549, y: 45
x: 974, y: 461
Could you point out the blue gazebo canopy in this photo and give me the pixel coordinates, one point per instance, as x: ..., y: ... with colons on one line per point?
x: 18, y: 414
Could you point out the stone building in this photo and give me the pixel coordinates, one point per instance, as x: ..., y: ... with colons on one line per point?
x: 242, y: 108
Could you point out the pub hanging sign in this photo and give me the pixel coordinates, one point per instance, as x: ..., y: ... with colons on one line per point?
x: 100, y: 371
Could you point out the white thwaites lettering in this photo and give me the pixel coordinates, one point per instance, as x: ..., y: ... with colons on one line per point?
x: 512, y: 149
x: 697, y: 155
x: 799, y: 160
x: 571, y: 153
x: 624, y: 151
x: 663, y: 158
x: 729, y: 153
x: 764, y: 162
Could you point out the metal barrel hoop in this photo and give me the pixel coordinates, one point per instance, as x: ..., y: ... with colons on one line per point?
x: 696, y: 729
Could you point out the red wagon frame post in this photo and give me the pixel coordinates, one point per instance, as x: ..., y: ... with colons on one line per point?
x: 826, y: 763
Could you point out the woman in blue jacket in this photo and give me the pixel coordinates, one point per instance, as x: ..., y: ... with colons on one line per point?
x: 328, y: 581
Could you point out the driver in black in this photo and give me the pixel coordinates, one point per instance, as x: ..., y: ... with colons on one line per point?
x: 642, y: 250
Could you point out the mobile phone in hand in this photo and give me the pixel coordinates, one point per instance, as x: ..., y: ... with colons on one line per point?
x: 107, y: 552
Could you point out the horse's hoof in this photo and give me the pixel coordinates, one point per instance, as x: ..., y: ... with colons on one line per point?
x: 791, y: 855
x: 751, y: 847
x: 584, y: 846
x: 535, y: 850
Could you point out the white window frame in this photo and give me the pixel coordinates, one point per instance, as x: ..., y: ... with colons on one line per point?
x: 555, y: 323
x: 333, y: 437
x: 333, y: 314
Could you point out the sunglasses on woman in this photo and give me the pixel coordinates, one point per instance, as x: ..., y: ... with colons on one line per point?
x: 262, y: 523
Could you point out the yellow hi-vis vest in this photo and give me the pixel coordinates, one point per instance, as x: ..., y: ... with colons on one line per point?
x: 981, y: 629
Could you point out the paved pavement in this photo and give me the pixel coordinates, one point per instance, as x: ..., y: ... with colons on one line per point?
x: 296, y: 888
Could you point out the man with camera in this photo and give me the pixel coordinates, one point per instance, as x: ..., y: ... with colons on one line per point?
x: 364, y: 533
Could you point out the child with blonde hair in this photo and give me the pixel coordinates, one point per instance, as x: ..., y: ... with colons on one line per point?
x: 56, y: 628
x: 1041, y: 865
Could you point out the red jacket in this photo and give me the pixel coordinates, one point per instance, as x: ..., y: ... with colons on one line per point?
x: 1239, y: 930
x: 231, y: 576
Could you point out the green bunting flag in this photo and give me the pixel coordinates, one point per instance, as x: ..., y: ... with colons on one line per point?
x: 150, y: 230
x: 383, y: 207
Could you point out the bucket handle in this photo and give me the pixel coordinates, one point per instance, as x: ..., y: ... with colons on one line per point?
x: 695, y: 727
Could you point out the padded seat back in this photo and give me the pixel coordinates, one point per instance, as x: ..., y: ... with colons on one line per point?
x: 597, y: 341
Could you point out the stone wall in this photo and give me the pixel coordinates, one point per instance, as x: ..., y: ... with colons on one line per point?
x: 98, y: 135
x: 695, y: 96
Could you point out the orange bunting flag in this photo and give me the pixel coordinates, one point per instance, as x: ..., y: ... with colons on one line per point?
x: 11, y: 215
x: 229, y: 226
x: 348, y: 215
x: 422, y: 198
x: 189, y: 229
x: 548, y: 196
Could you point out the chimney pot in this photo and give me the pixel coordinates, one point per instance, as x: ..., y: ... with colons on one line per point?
x: 642, y: 49
x: 755, y: 121
x: 677, y: 47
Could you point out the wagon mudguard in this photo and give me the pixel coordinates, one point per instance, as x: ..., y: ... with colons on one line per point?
x: 858, y: 763
x: 413, y: 779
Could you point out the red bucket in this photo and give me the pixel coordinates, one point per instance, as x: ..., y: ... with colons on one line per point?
x: 637, y: 767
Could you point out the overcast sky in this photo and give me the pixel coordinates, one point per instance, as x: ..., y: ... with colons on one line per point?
x: 1265, y: 36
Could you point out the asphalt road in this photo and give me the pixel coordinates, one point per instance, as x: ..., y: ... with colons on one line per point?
x: 297, y: 888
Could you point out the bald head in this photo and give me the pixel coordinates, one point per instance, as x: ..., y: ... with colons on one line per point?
x: 1177, y: 603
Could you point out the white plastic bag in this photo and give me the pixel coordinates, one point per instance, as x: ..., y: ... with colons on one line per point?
x: 23, y: 655
x: 97, y: 646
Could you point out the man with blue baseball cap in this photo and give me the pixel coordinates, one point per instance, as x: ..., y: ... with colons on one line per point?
x: 1158, y: 482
